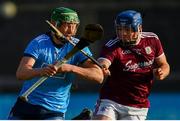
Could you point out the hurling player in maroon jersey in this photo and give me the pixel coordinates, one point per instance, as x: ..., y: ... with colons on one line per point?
x: 132, y: 60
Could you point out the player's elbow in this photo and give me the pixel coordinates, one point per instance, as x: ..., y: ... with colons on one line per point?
x: 100, y: 80
x: 19, y: 76
x: 100, y: 77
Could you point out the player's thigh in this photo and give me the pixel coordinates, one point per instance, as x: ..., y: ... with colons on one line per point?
x: 132, y: 113
x: 105, y: 111
x: 133, y: 117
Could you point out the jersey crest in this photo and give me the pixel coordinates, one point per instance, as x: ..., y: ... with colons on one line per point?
x: 148, y: 50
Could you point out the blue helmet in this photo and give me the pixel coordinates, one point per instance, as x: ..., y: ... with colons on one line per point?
x: 129, y: 18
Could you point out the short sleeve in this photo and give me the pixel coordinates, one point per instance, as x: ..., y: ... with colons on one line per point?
x: 32, y: 49
x: 159, y: 49
x: 80, y: 57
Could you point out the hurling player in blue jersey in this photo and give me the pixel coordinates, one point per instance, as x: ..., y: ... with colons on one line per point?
x: 51, y: 98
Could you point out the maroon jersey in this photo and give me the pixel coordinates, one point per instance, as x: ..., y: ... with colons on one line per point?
x: 131, y: 70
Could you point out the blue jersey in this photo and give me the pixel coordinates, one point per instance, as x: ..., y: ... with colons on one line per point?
x: 53, y: 93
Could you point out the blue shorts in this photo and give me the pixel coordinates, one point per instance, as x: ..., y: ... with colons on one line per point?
x: 25, y: 111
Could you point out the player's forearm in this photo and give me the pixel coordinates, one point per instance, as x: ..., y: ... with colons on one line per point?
x: 93, y: 74
x: 166, y: 70
x: 26, y: 74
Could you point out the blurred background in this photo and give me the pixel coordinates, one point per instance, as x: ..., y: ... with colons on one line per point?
x: 21, y: 20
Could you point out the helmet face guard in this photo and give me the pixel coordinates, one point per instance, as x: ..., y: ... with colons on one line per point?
x: 127, y: 25
x: 127, y: 35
